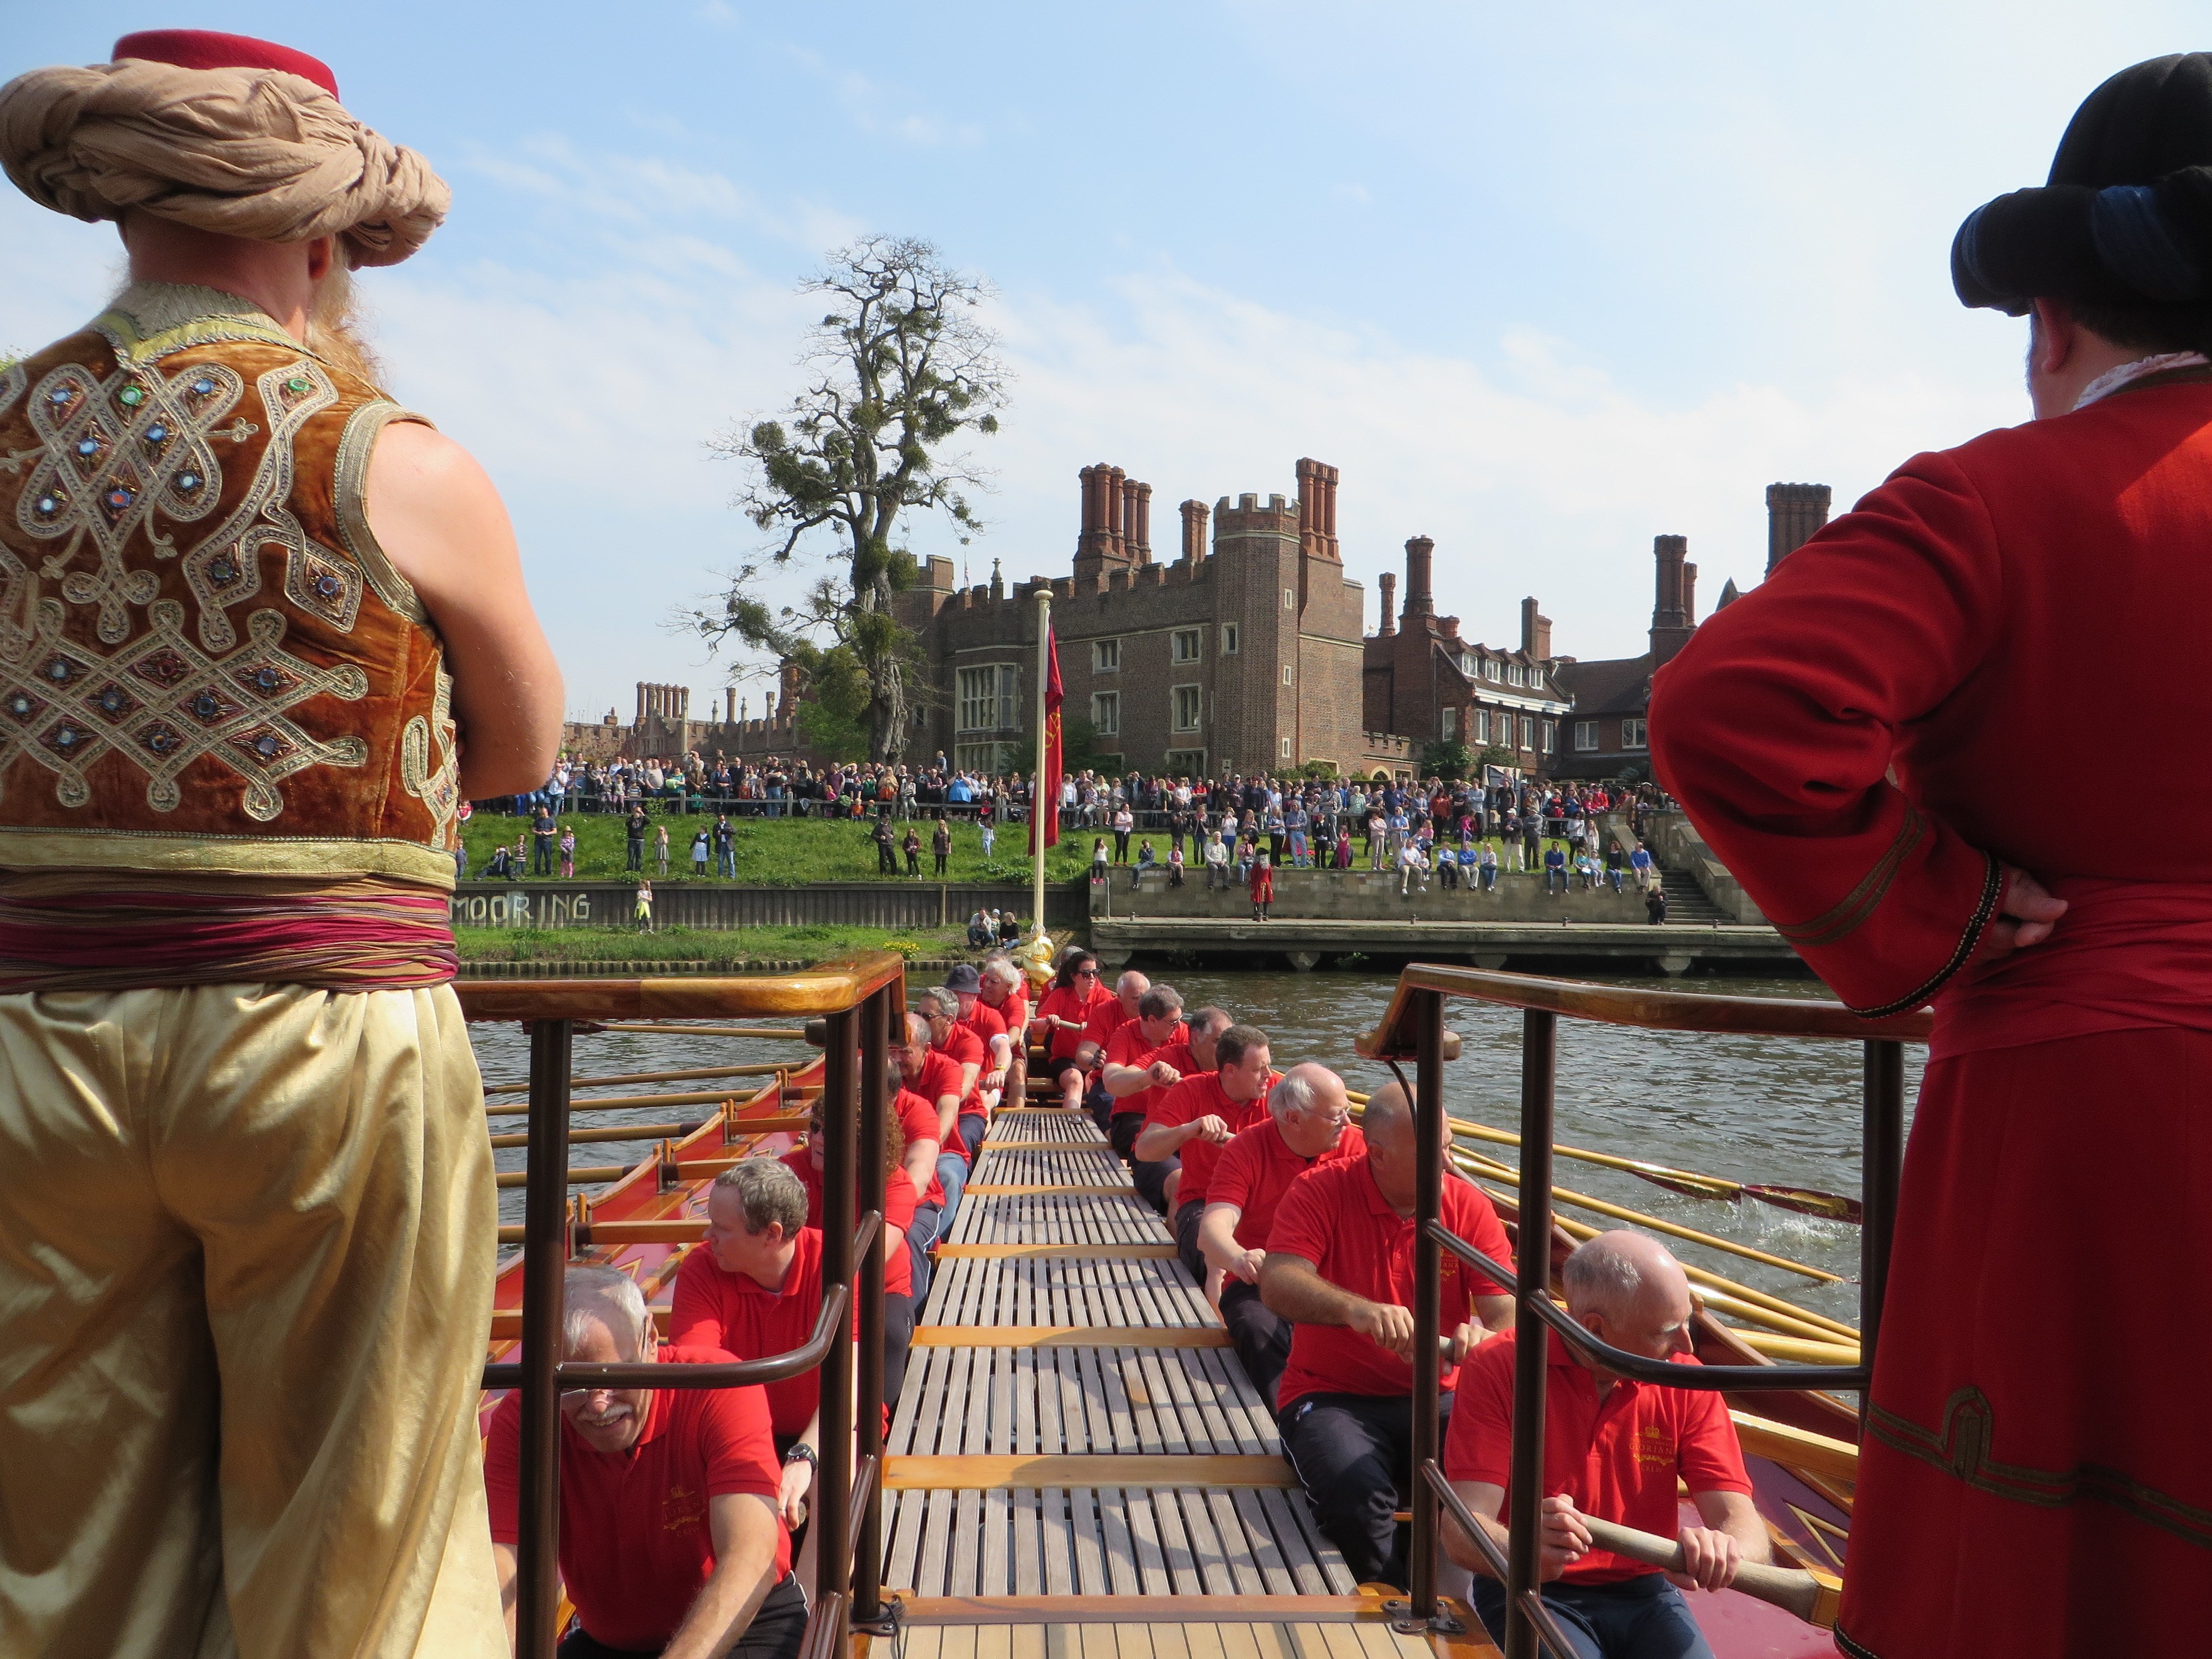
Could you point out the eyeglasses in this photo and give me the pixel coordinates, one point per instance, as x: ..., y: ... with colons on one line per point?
x: 1086, y: 973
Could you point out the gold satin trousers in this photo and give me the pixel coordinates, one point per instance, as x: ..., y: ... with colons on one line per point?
x: 246, y: 1248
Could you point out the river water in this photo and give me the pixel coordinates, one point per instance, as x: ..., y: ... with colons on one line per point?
x: 1772, y: 1111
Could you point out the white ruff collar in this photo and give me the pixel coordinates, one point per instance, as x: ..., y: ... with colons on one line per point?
x: 2113, y: 379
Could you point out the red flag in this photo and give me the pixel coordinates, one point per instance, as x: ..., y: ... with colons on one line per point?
x: 1045, y: 809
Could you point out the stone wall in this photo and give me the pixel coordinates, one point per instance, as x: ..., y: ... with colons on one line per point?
x: 1363, y: 896
x: 542, y: 903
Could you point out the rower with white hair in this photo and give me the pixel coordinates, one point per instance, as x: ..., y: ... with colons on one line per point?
x: 1308, y: 1122
x: 1614, y: 1450
x: 670, y: 1537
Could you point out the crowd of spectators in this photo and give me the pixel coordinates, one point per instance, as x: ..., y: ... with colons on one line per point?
x: 1457, y: 834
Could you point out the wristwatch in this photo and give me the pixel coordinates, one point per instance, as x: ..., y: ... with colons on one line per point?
x: 803, y: 1452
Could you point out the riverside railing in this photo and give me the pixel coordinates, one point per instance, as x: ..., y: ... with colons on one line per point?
x: 859, y: 998
x: 1413, y: 1027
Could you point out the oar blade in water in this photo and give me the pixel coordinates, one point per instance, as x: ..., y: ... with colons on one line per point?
x: 1808, y: 1200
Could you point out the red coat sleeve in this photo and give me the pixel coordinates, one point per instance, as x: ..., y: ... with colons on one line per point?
x: 1783, y: 729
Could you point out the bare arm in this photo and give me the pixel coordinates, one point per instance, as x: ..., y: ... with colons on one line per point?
x: 922, y: 1163
x: 441, y: 522
x: 1497, y: 1312
x: 1158, y: 1141
x: 1216, y: 1243
x: 744, y: 1527
x: 948, y: 1118
x: 1293, y: 1287
x: 969, y: 1070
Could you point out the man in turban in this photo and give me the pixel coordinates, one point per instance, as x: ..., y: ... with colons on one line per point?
x: 246, y: 1207
x: 1867, y: 741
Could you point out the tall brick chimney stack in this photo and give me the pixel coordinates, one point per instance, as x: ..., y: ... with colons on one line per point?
x: 1142, y: 495
x: 1389, y: 580
x: 729, y: 705
x: 1671, y: 618
x: 1420, y: 551
x: 1193, y: 530
x: 1794, y: 511
x: 1535, y: 631
x: 1317, y: 510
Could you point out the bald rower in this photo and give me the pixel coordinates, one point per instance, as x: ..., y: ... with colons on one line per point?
x: 1308, y: 1122
x: 1109, y: 1017
x: 1340, y: 1267
x: 1613, y: 1448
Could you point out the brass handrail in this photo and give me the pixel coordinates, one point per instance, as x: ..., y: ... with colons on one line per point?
x: 1413, y: 1028
x: 863, y: 998
x: 1627, y: 1005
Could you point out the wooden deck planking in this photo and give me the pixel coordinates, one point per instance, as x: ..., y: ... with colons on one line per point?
x: 1088, y: 1397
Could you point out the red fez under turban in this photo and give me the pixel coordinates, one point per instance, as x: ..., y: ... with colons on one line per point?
x: 205, y: 49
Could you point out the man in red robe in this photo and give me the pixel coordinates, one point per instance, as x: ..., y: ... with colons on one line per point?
x: 1867, y: 741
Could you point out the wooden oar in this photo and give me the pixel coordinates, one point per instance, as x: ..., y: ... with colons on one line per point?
x: 1726, y: 1296
x: 610, y: 1131
x: 755, y: 1070
x: 612, y: 1103
x: 1806, y: 1200
x: 791, y: 1034
x: 1811, y: 1595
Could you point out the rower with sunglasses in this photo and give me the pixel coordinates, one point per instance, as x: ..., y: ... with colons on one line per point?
x: 1061, y: 1019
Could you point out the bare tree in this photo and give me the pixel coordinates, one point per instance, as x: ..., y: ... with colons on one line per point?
x: 902, y: 369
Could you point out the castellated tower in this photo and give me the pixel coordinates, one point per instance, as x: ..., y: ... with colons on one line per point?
x: 1243, y: 653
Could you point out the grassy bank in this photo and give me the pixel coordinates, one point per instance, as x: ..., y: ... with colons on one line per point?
x: 811, y: 944
x: 786, y: 851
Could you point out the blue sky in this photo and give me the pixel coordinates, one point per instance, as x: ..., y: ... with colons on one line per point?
x: 1544, y: 282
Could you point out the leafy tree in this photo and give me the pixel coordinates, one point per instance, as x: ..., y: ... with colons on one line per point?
x: 833, y: 716
x: 1495, y: 756
x: 900, y: 370
x: 1448, y: 758
x: 1078, y: 747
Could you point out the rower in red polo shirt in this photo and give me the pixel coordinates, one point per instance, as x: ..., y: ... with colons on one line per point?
x: 670, y: 1538
x: 1198, y: 1117
x: 1006, y: 993
x: 1341, y: 1268
x: 1130, y: 1076
x: 1061, y: 1017
x: 1613, y: 1449
x: 918, y: 1120
x: 754, y: 1288
x: 1308, y: 1122
x: 806, y: 1163
x: 936, y: 1081
x: 959, y: 1043
x: 988, y: 1022
x: 1164, y: 1067
x: 1107, y: 1019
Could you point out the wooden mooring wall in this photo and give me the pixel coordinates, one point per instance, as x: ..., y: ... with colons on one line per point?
x: 894, y: 904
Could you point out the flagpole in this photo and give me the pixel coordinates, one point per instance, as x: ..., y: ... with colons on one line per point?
x: 1037, y: 783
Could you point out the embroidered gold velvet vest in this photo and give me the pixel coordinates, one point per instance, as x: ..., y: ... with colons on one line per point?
x: 207, y: 664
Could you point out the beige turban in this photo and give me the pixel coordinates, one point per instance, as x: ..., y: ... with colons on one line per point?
x: 254, y: 153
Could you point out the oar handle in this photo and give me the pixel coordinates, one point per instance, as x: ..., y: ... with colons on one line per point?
x: 1811, y: 1596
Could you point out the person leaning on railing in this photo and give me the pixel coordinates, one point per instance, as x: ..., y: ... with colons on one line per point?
x: 754, y: 1288
x: 1340, y: 1267
x: 1308, y: 1122
x: 1614, y: 1450
x: 671, y: 1540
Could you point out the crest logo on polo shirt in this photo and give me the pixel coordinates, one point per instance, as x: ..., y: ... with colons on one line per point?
x: 681, y: 1510
x: 1654, y: 1447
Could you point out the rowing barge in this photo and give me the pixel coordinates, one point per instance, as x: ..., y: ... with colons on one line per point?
x: 1076, y: 1456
